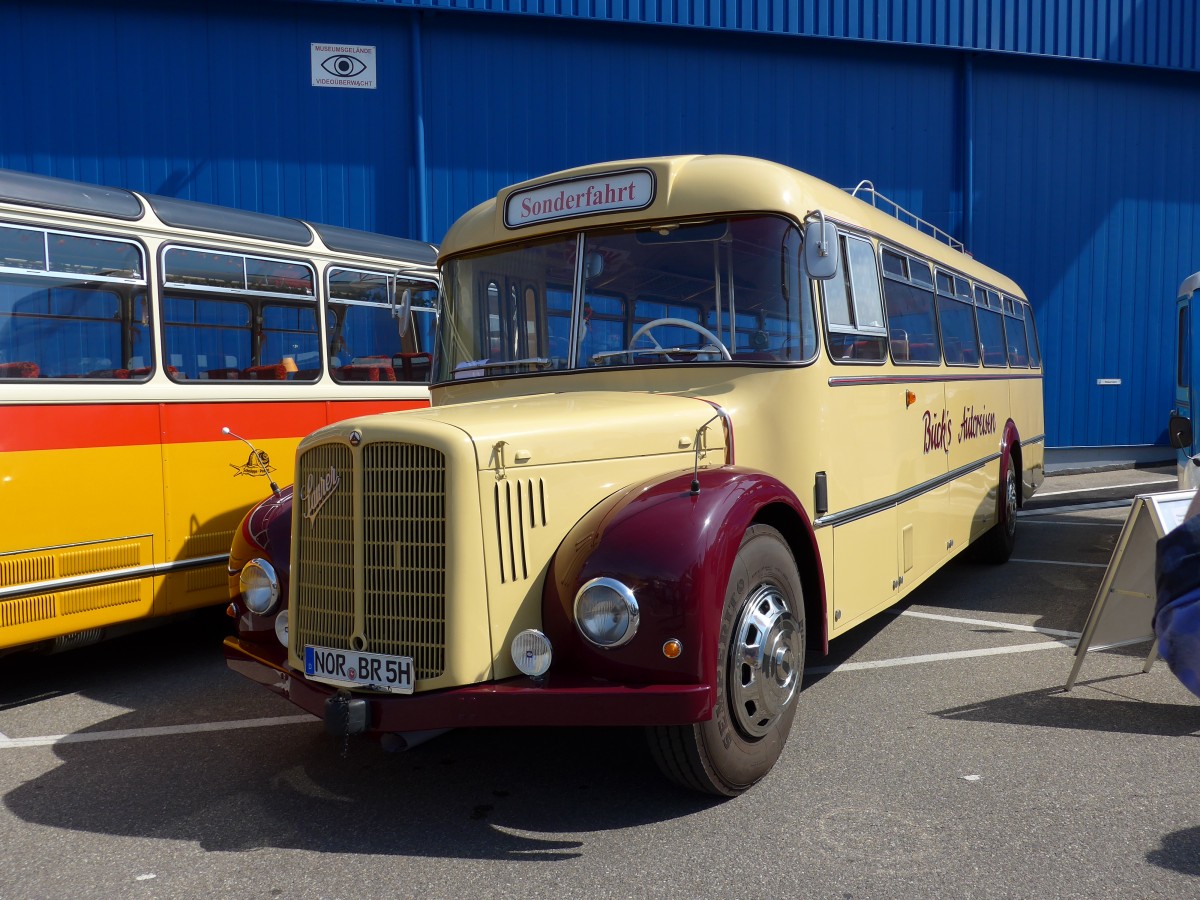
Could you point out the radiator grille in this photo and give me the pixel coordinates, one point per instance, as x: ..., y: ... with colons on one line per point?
x: 324, y: 553
x: 404, y: 553
x: 403, y: 535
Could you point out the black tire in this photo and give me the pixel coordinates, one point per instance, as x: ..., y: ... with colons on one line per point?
x: 997, y: 545
x: 762, y: 626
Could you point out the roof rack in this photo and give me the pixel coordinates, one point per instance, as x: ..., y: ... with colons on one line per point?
x: 866, y: 187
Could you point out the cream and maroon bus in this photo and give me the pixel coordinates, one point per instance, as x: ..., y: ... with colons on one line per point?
x: 691, y: 417
x: 133, y: 330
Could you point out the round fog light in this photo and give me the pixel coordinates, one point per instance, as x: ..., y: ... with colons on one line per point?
x: 281, y: 627
x: 606, y: 612
x: 532, y: 653
x: 259, y: 586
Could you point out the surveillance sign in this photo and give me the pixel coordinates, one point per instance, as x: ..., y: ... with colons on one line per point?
x: 343, y: 66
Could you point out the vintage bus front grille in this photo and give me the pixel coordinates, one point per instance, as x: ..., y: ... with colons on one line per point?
x: 404, y: 553
x: 401, y: 610
x: 323, y: 558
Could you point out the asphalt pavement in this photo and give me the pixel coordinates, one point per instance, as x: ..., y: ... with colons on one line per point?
x: 1072, y: 488
x: 935, y: 754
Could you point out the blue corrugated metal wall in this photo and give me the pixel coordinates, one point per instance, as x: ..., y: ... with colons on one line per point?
x: 1081, y: 180
x: 611, y: 92
x: 1138, y: 32
x: 211, y: 102
x: 1087, y: 193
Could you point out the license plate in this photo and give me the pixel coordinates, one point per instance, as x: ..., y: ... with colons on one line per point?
x: 375, y: 671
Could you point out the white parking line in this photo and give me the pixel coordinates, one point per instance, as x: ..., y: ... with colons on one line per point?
x: 1113, y: 524
x: 1078, y: 507
x: 7, y: 743
x: 1107, y: 487
x: 1003, y: 626
x: 1058, y: 562
x: 1067, y: 639
x: 938, y: 657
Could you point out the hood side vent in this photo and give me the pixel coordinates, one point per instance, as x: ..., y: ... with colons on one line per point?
x: 520, y: 508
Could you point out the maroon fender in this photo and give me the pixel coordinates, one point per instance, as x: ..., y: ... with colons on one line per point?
x: 265, y: 532
x: 1011, y: 441
x: 674, y: 549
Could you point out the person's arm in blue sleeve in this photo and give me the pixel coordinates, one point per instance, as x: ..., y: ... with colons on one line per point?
x: 1177, y: 608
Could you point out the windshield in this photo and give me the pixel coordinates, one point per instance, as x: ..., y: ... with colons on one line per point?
x: 725, y: 290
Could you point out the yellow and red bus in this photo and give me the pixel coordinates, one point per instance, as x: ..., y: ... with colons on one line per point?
x: 692, y: 417
x: 136, y: 329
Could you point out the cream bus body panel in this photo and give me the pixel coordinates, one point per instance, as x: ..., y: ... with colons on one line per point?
x: 466, y: 625
x: 518, y: 550
x: 787, y: 421
x: 509, y: 515
x: 1027, y: 396
x: 703, y: 187
x: 577, y: 423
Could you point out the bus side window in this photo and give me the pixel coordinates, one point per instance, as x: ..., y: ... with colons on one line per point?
x: 289, y: 334
x: 1035, y: 353
x: 1014, y: 328
x: 854, y: 306
x: 991, y: 327
x: 363, y: 331
x: 83, y: 315
x: 61, y: 332
x: 912, y: 324
x: 206, y: 338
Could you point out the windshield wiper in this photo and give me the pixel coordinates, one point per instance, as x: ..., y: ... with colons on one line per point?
x: 655, y: 351
x: 541, y: 362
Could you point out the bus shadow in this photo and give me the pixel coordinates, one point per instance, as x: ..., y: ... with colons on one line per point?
x: 527, y: 794
x: 1056, y: 708
x: 1054, y: 594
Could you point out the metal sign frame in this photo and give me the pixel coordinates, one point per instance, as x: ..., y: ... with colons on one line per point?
x: 1123, y: 611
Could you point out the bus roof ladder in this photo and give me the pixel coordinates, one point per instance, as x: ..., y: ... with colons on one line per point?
x: 899, y: 212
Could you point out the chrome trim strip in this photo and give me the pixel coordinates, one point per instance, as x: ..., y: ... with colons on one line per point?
x: 856, y: 380
x: 867, y: 509
x: 128, y: 537
x: 95, y: 578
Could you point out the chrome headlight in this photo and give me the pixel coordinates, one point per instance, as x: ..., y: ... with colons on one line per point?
x: 259, y: 586
x: 606, y: 612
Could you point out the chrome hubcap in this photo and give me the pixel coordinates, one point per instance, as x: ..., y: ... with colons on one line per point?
x: 765, y: 659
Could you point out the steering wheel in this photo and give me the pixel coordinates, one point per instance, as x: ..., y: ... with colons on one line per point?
x: 699, y: 329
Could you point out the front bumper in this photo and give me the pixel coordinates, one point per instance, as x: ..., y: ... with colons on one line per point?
x: 557, y: 700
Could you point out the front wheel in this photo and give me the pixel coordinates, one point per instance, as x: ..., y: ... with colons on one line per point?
x: 997, y: 545
x: 760, y: 663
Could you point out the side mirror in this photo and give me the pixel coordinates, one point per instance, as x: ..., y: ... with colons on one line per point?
x: 401, y: 307
x: 1180, y: 431
x: 821, y: 248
